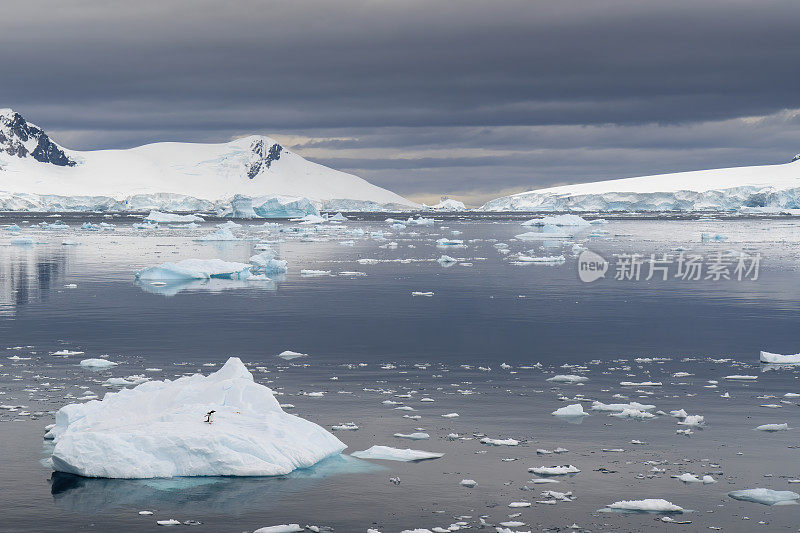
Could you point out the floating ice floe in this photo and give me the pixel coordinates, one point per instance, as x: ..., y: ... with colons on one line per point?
x: 570, y: 410
x: 773, y: 427
x: 499, y: 442
x: 693, y: 421
x: 157, y: 428
x: 22, y: 241
x: 314, y: 273
x: 469, y: 483
x: 282, y: 528
x: 636, y: 414
x: 568, y: 378
x: 554, y: 470
x: 766, y: 496
x: 640, y: 384
x: 739, y: 377
x: 449, y: 242
x: 388, y: 453
x: 413, y: 436
x: 422, y: 293
x: 547, y: 259
x: 768, y: 357
x: 289, y: 355
x: 446, y: 260
x: 66, y: 353
x: 97, y: 363
x: 169, y: 218
x: 347, y: 426
x: 619, y: 407
x: 558, y: 220
x: 650, y: 505
x: 691, y: 478
x: 191, y: 269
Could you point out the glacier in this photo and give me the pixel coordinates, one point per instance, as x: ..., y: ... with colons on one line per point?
x: 252, y: 176
x: 767, y: 189
x: 158, y: 430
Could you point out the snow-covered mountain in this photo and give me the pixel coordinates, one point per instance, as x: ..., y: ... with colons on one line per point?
x: 761, y: 188
x: 36, y: 174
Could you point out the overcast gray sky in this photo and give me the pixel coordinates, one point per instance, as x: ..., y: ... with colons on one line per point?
x: 461, y: 97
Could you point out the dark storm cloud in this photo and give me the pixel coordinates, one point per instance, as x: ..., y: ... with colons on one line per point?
x: 405, y: 74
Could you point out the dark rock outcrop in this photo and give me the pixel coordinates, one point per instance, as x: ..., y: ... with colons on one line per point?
x: 262, y: 157
x: 16, y: 132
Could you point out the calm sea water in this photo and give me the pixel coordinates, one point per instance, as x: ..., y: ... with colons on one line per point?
x: 538, y: 319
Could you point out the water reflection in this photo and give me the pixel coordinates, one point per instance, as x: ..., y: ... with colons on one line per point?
x: 227, y: 495
x: 27, y: 274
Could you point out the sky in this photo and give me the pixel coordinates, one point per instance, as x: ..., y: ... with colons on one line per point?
x: 471, y: 99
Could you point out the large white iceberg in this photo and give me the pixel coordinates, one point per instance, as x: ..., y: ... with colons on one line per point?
x: 768, y: 357
x: 190, y: 269
x: 158, y: 429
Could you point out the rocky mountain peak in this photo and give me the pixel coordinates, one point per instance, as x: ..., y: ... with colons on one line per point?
x: 21, y: 139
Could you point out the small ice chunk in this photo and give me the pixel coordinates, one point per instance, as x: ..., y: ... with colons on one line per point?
x: 468, y: 483
x: 499, y: 442
x: 693, y: 421
x: 570, y: 410
x: 554, y: 470
x: 650, y: 505
x: 773, y: 427
x: 413, y: 436
x: 633, y: 413
x: 347, y: 426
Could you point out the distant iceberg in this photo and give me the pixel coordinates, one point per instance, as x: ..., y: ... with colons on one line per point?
x: 159, y: 429
x: 448, y: 204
